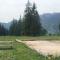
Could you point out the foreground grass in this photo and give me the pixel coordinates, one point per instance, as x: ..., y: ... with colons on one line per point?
x: 25, y: 53
x: 21, y: 51
x: 7, y: 55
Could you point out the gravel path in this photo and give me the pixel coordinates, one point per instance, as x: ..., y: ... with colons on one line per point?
x: 44, y: 47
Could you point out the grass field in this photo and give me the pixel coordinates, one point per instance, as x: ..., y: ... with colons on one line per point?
x: 21, y: 51
x: 12, y: 38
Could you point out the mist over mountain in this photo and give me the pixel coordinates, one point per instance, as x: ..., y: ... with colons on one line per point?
x: 6, y: 25
x: 50, y: 21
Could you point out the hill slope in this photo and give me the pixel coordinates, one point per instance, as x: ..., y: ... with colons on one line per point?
x: 51, y: 21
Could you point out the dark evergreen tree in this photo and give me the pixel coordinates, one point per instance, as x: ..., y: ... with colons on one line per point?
x: 13, y: 27
x: 59, y: 30
x: 59, y: 27
x: 19, y: 27
x: 3, y: 30
x: 31, y: 22
x: 27, y: 19
x: 36, y: 28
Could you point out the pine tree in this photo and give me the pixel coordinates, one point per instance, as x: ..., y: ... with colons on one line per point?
x: 59, y: 29
x: 3, y: 30
x: 32, y: 24
x: 36, y: 27
x: 27, y: 19
x: 13, y: 27
x: 19, y: 27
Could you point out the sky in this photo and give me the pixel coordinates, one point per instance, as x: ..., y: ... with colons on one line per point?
x: 10, y: 9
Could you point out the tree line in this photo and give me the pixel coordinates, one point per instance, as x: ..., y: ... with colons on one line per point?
x: 29, y: 25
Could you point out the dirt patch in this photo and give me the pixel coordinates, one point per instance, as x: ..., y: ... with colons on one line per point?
x: 44, y: 47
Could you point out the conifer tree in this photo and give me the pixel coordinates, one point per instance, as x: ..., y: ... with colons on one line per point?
x: 27, y: 19
x: 13, y: 27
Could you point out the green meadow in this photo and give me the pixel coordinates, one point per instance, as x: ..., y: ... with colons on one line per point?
x: 13, y: 38
x: 22, y: 52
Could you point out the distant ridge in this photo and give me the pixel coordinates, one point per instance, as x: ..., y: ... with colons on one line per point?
x: 6, y: 25
x: 51, y: 21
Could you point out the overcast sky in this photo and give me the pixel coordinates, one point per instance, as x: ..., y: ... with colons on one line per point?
x: 10, y: 9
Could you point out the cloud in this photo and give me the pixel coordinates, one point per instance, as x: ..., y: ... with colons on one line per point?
x: 10, y: 9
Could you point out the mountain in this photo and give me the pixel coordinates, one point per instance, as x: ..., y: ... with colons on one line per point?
x: 51, y: 21
x: 6, y: 25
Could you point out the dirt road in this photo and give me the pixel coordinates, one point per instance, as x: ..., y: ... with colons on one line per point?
x: 44, y: 47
